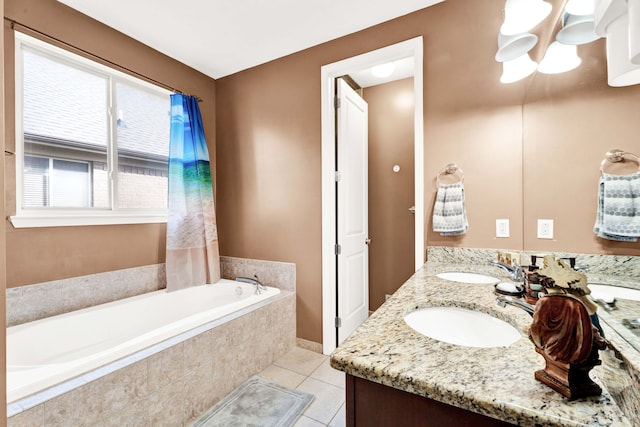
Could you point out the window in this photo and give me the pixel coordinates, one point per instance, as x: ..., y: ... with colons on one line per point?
x: 92, y: 143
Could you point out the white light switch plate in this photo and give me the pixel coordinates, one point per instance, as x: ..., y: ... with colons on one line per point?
x: 545, y: 229
x: 502, y: 228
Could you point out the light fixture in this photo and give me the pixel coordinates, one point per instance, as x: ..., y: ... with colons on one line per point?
x: 580, y: 7
x: 620, y: 70
x: 517, y: 69
x: 577, y: 29
x: 383, y: 70
x: 634, y: 31
x: 511, y: 47
x: 522, y: 15
x: 559, y: 58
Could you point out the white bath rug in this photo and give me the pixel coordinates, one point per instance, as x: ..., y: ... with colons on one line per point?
x: 257, y: 403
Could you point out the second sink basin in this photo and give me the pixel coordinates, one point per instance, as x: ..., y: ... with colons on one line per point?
x: 463, y: 277
x: 605, y: 292
x: 462, y: 327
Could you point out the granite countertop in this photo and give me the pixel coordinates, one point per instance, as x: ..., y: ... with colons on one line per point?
x: 496, y: 382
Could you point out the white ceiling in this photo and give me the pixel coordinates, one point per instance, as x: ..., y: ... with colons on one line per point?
x: 222, y: 37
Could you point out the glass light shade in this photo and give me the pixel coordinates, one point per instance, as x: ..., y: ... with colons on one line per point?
x: 620, y: 70
x: 383, y: 70
x: 634, y: 31
x: 580, y: 7
x: 511, y: 47
x: 517, y: 69
x: 559, y: 58
x: 577, y: 29
x: 522, y: 15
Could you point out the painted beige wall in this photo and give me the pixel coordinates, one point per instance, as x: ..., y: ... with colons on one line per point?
x: 269, y: 139
x: 42, y: 254
x: 391, y: 225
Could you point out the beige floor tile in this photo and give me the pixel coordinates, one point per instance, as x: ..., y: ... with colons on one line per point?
x: 282, y: 376
x: 301, y: 361
x: 340, y: 420
x: 326, y: 373
x: 307, y: 422
x: 328, y: 399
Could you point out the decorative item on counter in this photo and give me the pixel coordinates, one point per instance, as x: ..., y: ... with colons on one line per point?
x: 563, y: 332
x: 532, y: 285
x: 509, y: 258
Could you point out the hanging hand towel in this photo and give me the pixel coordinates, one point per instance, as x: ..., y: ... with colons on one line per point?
x: 449, y: 211
x: 618, y: 215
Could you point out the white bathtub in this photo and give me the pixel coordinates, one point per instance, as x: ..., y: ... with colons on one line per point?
x: 50, y: 351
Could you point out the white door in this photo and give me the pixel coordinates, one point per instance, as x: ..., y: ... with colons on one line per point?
x: 352, y: 215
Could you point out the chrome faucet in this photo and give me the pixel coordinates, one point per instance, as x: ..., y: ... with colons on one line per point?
x: 515, y: 271
x: 503, y: 300
x: 259, y: 286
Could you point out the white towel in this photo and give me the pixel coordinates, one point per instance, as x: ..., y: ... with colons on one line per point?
x: 449, y: 211
x: 618, y: 216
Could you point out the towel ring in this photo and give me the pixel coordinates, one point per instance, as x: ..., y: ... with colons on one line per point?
x: 450, y: 169
x: 616, y: 156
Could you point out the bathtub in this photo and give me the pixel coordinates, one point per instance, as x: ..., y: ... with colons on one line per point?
x: 51, y: 351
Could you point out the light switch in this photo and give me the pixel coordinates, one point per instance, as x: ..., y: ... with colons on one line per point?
x: 545, y: 229
x: 502, y: 228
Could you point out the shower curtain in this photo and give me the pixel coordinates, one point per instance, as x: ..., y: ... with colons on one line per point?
x: 193, y: 256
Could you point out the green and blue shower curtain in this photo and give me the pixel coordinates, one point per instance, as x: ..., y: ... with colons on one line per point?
x: 193, y: 256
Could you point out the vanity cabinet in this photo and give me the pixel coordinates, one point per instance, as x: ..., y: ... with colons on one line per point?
x: 370, y: 404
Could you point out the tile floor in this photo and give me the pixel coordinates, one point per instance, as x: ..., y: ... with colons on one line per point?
x: 310, y: 372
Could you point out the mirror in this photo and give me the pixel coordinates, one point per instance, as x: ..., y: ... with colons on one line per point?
x: 570, y: 121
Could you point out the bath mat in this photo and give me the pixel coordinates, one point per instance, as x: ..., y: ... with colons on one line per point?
x: 257, y: 403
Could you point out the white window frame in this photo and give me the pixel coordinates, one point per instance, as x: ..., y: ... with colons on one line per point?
x: 51, y: 216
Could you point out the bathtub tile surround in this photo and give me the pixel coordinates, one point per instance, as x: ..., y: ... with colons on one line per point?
x: 176, y: 385
x: 271, y: 273
x: 33, y: 302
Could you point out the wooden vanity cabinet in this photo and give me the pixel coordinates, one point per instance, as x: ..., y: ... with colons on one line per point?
x: 371, y: 404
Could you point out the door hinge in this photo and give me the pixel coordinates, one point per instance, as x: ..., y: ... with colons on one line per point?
x: 337, y: 176
x: 338, y: 249
x: 336, y: 102
x: 338, y: 322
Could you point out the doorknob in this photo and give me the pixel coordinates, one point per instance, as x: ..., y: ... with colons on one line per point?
x: 412, y: 209
x: 367, y: 241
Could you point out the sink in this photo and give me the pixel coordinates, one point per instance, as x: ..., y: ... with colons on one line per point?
x: 462, y: 327
x: 462, y: 277
x: 604, y: 292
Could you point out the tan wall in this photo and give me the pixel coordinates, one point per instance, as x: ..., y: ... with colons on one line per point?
x: 42, y: 254
x: 3, y: 283
x: 391, y: 225
x: 269, y: 142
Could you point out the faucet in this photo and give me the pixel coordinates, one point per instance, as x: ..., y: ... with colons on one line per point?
x: 515, y: 271
x: 503, y: 300
x: 259, y: 286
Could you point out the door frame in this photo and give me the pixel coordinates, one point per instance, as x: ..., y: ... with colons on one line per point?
x: 329, y: 72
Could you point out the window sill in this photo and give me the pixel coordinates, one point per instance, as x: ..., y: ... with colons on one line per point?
x: 33, y: 220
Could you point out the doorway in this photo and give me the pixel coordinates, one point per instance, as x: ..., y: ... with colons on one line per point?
x: 329, y: 73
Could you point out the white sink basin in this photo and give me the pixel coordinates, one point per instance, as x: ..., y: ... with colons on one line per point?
x: 462, y: 277
x: 606, y: 292
x: 462, y: 327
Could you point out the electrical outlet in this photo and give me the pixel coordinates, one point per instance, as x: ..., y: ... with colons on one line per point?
x: 502, y: 228
x: 545, y: 229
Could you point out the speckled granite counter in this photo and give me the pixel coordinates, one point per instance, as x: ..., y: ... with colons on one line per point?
x: 496, y: 382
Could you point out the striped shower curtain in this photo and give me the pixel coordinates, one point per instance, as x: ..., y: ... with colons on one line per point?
x: 193, y: 256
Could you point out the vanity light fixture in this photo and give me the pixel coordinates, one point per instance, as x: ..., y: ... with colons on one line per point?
x: 517, y: 69
x: 577, y: 29
x: 620, y: 70
x: 511, y: 47
x: 559, y: 58
x: 522, y: 15
x: 634, y: 31
x: 383, y: 70
x: 580, y: 7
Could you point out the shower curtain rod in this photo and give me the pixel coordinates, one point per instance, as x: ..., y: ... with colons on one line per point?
x: 93, y: 55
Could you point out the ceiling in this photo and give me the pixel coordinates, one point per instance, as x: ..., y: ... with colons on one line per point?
x: 222, y: 37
